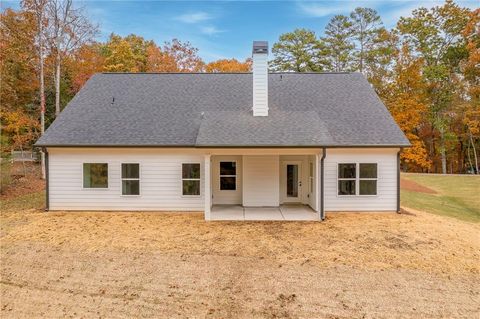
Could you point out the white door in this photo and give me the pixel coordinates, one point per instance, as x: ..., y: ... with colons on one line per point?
x: 292, y: 180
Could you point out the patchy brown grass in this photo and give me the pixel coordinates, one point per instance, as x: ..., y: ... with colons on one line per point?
x: 23, y: 180
x: 144, y: 264
x: 413, y: 186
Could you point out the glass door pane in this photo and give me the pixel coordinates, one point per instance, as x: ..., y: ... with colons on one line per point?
x: 292, y: 180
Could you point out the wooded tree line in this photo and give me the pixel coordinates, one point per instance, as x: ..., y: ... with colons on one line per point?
x: 426, y: 70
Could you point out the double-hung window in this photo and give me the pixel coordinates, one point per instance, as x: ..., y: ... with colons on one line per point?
x: 357, y: 179
x: 228, y: 176
x: 368, y: 179
x: 191, y: 179
x: 95, y: 175
x: 130, y: 179
x: 347, y: 175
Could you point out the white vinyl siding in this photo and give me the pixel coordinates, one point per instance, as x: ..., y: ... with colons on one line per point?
x: 261, y: 186
x: 386, y: 198
x: 258, y: 178
x: 260, y: 84
x: 160, y: 175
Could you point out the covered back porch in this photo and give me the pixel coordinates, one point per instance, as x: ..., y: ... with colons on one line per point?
x: 263, y: 184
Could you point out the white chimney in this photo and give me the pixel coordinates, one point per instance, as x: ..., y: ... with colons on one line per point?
x: 260, y: 78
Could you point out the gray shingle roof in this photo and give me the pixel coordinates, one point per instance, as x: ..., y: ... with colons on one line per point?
x: 148, y: 109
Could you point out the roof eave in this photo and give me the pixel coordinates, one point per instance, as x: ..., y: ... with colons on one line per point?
x: 220, y: 146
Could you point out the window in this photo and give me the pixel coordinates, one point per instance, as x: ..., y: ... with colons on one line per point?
x: 365, y: 178
x: 347, y: 179
x: 191, y: 179
x: 368, y: 179
x: 228, y: 176
x: 130, y: 179
x: 95, y: 175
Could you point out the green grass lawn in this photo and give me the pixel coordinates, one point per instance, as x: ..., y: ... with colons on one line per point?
x: 457, y: 196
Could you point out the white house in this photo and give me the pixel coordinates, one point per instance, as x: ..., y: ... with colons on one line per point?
x: 190, y: 142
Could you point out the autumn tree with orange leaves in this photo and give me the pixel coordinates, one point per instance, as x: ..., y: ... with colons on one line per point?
x: 229, y: 66
x: 407, y: 103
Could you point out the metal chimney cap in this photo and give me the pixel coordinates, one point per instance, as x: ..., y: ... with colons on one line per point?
x: 260, y: 47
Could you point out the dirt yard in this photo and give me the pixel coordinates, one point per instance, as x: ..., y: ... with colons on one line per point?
x: 177, y: 266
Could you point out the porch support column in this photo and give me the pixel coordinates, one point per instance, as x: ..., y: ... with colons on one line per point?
x: 207, y: 187
x: 317, y: 186
x: 322, y: 184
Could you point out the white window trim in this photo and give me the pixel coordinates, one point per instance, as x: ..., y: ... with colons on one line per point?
x: 357, y: 179
x: 190, y: 179
x: 131, y: 179
x: 220, y: 176
x: 95, y: 188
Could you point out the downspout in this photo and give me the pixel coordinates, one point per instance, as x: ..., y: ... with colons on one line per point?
x: 322, y: 192
x: 47, y: 178
x: 398, y: 180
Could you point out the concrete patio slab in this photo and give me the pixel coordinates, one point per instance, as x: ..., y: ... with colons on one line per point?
x: 234, y: 212
x: 298, y: 212
x: 282, y: 213
x: 263, y: 213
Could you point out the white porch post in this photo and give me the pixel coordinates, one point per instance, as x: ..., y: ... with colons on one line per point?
x: 317, y: 183
x: 207, y: 187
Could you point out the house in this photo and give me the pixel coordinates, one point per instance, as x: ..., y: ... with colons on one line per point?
x: 190, y: 142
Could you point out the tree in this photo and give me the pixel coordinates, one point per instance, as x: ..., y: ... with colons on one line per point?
x: 38, y: 7
x: 159, y: 61
x: 139, y: 47
x: 380, y: 60
x: 22, y: 129
x: 469, y: 66
x: 435, y: 35
x: 19, y: 82
x: 366, y: 25
x: 120, y: 57
x: 134, y: 54
x: 85, y: 62
x: 339, y: 44
x: 406, y: 101
x: 185, y: 56
x: 232, y: 66
x: 68, y: 30
x: 471, y: 74
x: 299, y: 51
x: 127, y: 54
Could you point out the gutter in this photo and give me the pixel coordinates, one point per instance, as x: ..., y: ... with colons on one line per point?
x: 322, y: 182
x: 47, y: 177
x: 398, y: 180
